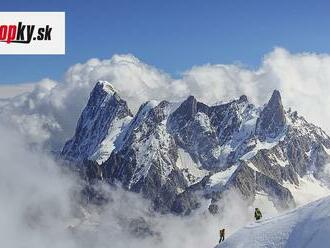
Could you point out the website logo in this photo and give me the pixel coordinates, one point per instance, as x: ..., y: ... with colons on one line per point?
x: 32, y: 33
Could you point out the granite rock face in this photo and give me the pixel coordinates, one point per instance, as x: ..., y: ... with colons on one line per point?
x: 272, y: 118
x: 176, y: 155
x: 101, y: 121
x: 249, y: 182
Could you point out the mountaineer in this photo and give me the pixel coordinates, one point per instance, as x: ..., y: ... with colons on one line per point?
x: 257, y: 214
x: 222, y: 235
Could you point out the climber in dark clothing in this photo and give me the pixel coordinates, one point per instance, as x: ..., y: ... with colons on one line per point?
x: 222, y: 235
x: 257, y: 214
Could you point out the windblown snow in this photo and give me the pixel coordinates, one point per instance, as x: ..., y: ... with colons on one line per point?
x: 309, y: 189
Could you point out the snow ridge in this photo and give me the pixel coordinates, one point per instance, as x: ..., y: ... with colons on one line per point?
x: 308, y: 227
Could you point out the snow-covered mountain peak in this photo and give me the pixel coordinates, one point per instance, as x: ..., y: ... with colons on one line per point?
x: 169, y: 148
x: 106, y: 86
x: 276, y: 98
x: 243, y: 98
x: 101, y: 122
x: 103, y: 86
x: 272, y: 118
x: 188, y: 107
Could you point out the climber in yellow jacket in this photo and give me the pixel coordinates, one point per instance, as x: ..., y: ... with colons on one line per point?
x: 257, y: 214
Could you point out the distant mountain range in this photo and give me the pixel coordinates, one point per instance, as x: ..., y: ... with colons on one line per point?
x: 176, y: 153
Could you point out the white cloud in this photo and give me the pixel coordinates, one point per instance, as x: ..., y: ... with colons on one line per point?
x: 11, y: 90
x: 303, y: 80
x: 37, y: 203
x: 35, y: 196
x: 40, y: 208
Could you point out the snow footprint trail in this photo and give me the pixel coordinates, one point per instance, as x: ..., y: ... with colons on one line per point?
x: 305, y: 227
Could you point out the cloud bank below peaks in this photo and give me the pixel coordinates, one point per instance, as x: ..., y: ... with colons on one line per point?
x: 48, y: 114
x: 41, y: 208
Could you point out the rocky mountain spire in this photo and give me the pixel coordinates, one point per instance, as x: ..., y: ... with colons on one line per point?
x: 272, y: 118
x: 101, y: 121
x: 187, y: 109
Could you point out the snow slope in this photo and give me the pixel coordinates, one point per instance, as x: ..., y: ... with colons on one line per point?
x: 304, y: 227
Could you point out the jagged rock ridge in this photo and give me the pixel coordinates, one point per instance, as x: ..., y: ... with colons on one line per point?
x: 173, y: 153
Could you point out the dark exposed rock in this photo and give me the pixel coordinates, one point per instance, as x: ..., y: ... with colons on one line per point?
x: 198, y: 140
x: 250, y: 182
x: 185, y: 202
x: 104, y: 107
x: 147, y: 174
x: 244, y: 179
x: 213, y: 209
x: 91, y: 195
x: 279, y: 195
x: 140, y: 228
x: 267, y: 149
x: 272, y: 118
x: 227, y: 117
x: 266, y: 162
x: 202, y: 130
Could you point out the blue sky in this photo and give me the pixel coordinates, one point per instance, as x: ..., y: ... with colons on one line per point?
x: 173, y: 35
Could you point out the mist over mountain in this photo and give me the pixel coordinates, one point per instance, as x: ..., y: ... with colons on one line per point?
x: 175, y: 152
x: 42, y: 114
x: 143, y: 159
